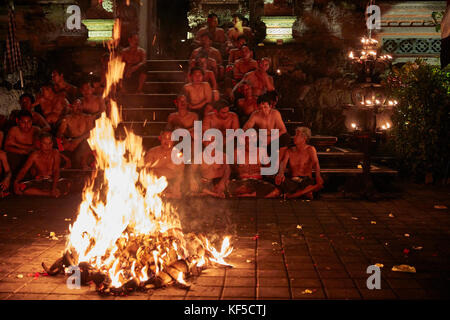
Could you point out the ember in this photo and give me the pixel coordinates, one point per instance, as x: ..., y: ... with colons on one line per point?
x: 125, y: 238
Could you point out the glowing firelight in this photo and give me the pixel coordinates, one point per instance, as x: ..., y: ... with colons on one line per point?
x: 123, y: 229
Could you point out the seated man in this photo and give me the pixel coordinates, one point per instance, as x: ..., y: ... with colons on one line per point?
x: 90, y: 103
x: 26, y: 101
x: 135, y: 69
x: 217, y: 34
x: 183, y: 118
x: 159, y: 161
x: 236, y: 53
x: 244, y: 64
x: 74, y: 131
x: 214, y: 177
x: 223, y: 119
x: 45, y: 165
x: 61, y: 87
x: 246, y: 105
x: 52, y: 106
x: 210, y: 63
x: 260, y: 81
x: 302, y: 159
x: 238, y: 30
x: 198, y: 93
x: 5, y: 175
x: 21, y: 140
x: 267, y: 118
x: 201, y: 62
x: 250, y: 182
x: 212, y: 53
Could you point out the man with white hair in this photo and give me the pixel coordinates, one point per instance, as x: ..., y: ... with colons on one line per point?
x: 302, y: 159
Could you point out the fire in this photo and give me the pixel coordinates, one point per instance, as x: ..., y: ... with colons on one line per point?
x: 124, y: 230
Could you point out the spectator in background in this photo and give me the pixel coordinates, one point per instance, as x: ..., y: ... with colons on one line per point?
x: 46, y: 172
x: 21, y: 140
x: 135, y: 72
x: 217, y: 34
x: 26, y: 101
x: 60, y: 86
x: 198, y: 93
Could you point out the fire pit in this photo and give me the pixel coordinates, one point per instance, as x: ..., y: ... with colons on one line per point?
x: 125, y: 238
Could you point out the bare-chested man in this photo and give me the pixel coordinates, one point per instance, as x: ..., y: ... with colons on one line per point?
x: 250, y: 182
x: 26, y: 101
x: 21, y: 140
x: 61, y: 87
x: 74, y: 132
x: 267, y: 118
x: 5, y: 175
x: 222, y: 119
x: 45, y: 163
x: 214, y: 177
x: 52, y: 105
x: 238, y: 30
x: 244, y: 64
x: 212, y: 53
x: 198, y: 93
x: 260, y: 81
x: 90, y: 103
x: 159, y: 161
x: 217, y: 34
x: 236, y: 53
x: 246, y: 105
x: 302, y: 159
x: 183, y: 118
x: 209, y: 76
x: 135, y: 59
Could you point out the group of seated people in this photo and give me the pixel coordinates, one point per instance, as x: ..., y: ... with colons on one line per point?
x: 49, y: 132
x: 226, y: 89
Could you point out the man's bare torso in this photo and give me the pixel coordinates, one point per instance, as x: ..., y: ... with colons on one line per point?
x: 196, y: 92
x: 300, y: 161
x: 186, y: 121
x: 44, y: 163
x: 78, y: 124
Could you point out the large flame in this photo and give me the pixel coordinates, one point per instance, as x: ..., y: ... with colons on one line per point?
x: 123, y: 228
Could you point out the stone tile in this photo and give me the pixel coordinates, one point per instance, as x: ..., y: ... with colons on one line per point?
x: 239, y: 292
x: 301, y: 293
x: 10, y: 287
x: 240, y: 282
x: 344, y: 283
x: 202, y: 291
x: 273, y: 282
x: 34, y: 287
x: 273, y: 292
x: 342, y: 294
x: 209, y: 281
x: 309, y: 283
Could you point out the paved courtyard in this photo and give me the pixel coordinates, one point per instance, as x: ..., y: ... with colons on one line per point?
x: 282, y: 249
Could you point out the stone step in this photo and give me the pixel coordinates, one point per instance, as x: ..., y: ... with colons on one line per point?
x: 163, y: 87
x: 151, y: 114
x: 145, y: 128
x: 167, y: 65
x: 150, y: 99
x: 166, y: 76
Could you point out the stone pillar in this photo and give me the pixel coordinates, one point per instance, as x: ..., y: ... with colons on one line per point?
x: 143, y: 24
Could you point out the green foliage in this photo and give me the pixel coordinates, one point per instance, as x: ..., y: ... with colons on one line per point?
x: 437, y: 18
x: 421, y: 120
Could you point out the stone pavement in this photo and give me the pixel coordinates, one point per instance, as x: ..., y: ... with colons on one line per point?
x: 282, y: 249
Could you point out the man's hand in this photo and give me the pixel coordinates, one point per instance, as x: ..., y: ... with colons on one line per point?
x: 17, y: 189
x: 56, y: 193
x: 279, y: 179
x: 4, y: 185
x: 319, y: 180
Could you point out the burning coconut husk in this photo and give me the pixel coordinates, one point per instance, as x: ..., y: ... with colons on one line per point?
x: 125, y: 238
